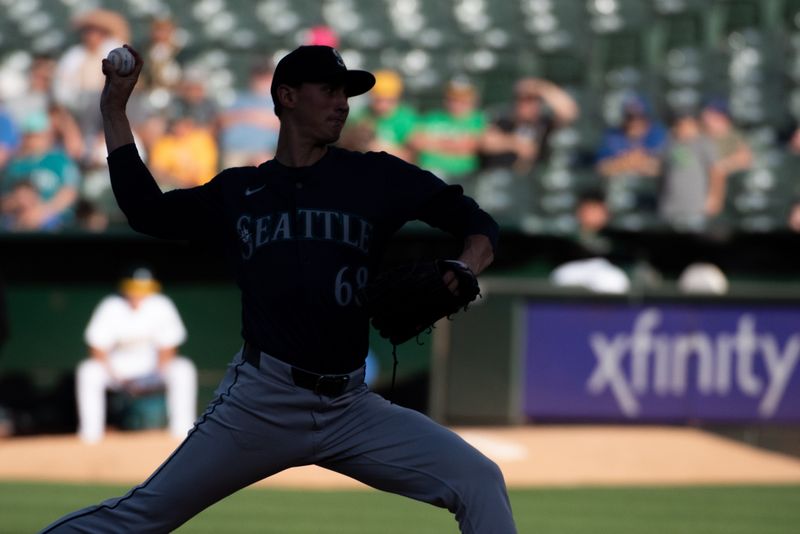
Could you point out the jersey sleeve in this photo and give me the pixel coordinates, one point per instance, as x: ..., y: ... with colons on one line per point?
x: 101, y: 332
x: 192, y: 213
x: 609, y: 146
x: 423, y: 196
x: 171, y: 330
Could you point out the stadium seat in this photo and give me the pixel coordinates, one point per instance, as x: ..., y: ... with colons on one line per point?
x: 759, y: 200
x: 679, y: 31
x: 619, y: 62
x: 738, y: 15
x: 791, y: 15
x: 503, y: 193
x: 556, y: 189
x: 611, y: 17
x: 567, y: 68
x: 632, y: 201
x: 683, y: 78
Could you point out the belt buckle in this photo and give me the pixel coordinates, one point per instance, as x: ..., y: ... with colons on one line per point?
x: 333, y: 386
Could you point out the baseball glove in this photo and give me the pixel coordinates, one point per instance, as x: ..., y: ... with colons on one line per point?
x: 405, y: 301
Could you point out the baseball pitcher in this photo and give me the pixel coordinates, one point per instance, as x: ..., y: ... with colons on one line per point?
x: 304, y: 234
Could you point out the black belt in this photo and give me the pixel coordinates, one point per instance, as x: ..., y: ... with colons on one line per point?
x: 328, y: 385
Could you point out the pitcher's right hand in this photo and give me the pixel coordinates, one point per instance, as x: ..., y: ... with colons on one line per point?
x: 118, y: 88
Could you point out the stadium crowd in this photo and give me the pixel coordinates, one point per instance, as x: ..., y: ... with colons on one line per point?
x: 53, y: 174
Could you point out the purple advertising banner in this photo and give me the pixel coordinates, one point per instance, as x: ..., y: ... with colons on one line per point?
x: 662, y: 362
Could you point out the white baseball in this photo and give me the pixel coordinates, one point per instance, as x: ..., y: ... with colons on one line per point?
x: 122, y: 61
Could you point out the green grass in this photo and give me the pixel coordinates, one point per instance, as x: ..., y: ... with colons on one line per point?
x: 27, y: 507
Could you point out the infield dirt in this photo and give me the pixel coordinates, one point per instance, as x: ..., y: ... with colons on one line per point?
x: 528, y: 456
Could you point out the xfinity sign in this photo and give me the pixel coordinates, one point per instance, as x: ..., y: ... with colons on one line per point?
x: 662, y: 362
x: 630, y: 365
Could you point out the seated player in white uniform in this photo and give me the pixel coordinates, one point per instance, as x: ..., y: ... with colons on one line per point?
x: 133, y: 339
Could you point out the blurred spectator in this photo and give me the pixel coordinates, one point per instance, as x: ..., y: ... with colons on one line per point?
x: 591, y: 212
x: 9, y: 137
x: 161, y: 71
x: 133, y: 339
x: 793, y: 146
x: 38, y: 98
x: 78, y: 81
x: 193, y: 101
x: 97, y: 207
x: 76, y: 77
x: 518, y: 137
x: 18, y: 204
x: 66, y: 133
x: 321, y: 35
x: 446, y: 141
x: 592, y: 215
x: 386, y: 124
x: 186, y: 156
x: 187, y: 153
x: 249, y: 126
x: 43, y: 179
x: 693, y: 186
x: 793, y: 162
x: 150, y: 126
x: 89, y: 217
x: 732, y: 148
x: 634, y: 148
x: 793, y: 219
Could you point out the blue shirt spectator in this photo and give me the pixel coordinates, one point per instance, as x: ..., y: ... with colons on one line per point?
x: 249, y: 127
x: 42, y: 169
x: 636, y: 146
x: 9, y: 137
x: 616, y: 142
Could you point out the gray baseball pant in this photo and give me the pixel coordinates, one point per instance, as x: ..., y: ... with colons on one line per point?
x: 260, y: 423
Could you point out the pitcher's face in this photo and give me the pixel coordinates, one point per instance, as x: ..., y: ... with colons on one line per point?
x: 321, y: 110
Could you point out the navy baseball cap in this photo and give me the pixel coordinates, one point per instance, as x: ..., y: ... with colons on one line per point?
x: 636, y: 105
x: 718, y: 104
x: 319, y: 64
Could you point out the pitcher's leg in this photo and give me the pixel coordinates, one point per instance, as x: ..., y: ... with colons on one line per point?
x: 91, y: 381
x: 205, y: 468
x: 180, y: 379
x: 402, y: 451
x: 215, y: 460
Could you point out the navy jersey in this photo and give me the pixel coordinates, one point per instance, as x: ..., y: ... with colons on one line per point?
x: 302, y: 240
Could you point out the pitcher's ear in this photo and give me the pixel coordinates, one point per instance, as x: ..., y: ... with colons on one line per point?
x: 287, y: 96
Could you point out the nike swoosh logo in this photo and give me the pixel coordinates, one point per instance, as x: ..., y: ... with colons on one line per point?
x: 248, y: 191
